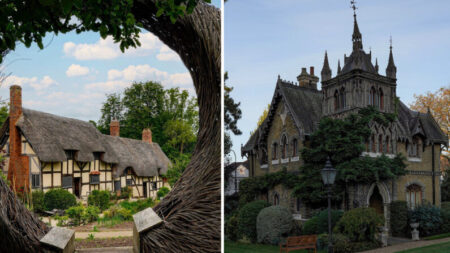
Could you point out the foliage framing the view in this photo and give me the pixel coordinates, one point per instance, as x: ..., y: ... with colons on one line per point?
x: 232, y: 113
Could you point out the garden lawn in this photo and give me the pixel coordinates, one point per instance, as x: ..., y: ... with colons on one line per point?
x: 238, y: 247
x: 436, y: 248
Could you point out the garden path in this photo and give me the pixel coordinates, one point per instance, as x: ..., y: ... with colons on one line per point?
x: 109, y: 250
x: 104, y: 234
x: 409, y: 245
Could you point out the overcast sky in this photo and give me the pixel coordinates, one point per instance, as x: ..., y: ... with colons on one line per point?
x: 72, y: 74
x: 264, y: 38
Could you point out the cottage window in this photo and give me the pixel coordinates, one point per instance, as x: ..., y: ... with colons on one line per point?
x: 154, y: 186
x: 95, y: 179
x: 35, y: 180
x: 294, y: 147
x: 284, y: 147
x: 413, y: 195
x: 129, y: 182
x: 67, y: 182
x: 274, y: 151
x: 70, y: 154
x: 117, y: 185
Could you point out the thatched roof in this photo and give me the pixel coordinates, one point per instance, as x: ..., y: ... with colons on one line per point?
x: 51, y: 135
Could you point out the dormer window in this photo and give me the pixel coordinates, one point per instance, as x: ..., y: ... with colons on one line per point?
x: 70, y: 154
x: 414, y: 147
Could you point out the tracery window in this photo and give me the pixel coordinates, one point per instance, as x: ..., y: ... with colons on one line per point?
x: 372, y: 139
x: 413, y: 195
x: 388, y: 142
x: 342, y: 100
x: 336, y: 100
x: 380, y: 144
x: 381, y: 99
x: 284, y: 145
x: 294, y: 147
x: 274, y: 151
x: 263, y: 156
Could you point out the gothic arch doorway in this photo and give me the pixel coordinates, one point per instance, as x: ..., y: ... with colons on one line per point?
x: 378, y: 197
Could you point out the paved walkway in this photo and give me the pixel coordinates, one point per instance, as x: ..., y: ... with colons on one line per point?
x: 109, y: 250
x: 105, y: 234
x: 409, y: 245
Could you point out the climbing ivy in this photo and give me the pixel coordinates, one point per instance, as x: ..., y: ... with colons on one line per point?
x: 343, y: 141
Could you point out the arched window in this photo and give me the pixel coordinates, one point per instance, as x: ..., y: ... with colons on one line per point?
x: 373, y: 97
x: 274, y: 151
x: 294, y: 147
x: 414, y: 148
x: 336, y: 100
x: 298, y: 204
x: 342, y: 99
x: 380, y: 144
x: 372, y: 139
x: 413, y: 195
x: 276, y: 199
x: 388, y: 149
x: 381, y: 99
x: 284, y: 147
x: 263, y: 156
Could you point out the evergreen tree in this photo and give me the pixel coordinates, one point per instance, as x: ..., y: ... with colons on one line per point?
x: 232, y: 113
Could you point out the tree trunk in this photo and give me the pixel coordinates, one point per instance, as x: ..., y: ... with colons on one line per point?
x: 191, y: 211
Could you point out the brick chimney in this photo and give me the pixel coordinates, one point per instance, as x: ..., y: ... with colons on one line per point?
x: 114, y: 128
x: 147, y: 135
x: 18, y: 171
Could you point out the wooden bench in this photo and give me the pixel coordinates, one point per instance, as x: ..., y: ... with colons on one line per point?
x: 299, y: 242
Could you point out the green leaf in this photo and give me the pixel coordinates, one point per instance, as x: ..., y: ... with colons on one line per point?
x: 103, y: 31
x: 67, y: 6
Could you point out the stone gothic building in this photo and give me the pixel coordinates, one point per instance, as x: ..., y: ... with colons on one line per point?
x: 296, y: 110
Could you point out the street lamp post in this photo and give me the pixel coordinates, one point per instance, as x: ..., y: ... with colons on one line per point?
x: 328, y: 177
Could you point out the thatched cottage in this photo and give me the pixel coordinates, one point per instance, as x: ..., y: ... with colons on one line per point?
x: 45, y: 151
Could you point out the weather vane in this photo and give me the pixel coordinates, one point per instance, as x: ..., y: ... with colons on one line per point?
x: 353, y: 6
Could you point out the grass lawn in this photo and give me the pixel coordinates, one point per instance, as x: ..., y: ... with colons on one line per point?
x: 434, y: 237
x: 239, y: 247
x: 437, y: 248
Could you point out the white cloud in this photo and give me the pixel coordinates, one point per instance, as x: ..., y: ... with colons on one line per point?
x: 77, y: 70
x: 105, y: 49
x: 33, y: 82
x: 167, y: 54
x: 119, y: 79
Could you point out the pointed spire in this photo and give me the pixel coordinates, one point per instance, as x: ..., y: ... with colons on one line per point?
x: 376, y: 65
x: 339, y: 67
x: 356, y: 37
x: 326, y: 71
x: 391, y: 70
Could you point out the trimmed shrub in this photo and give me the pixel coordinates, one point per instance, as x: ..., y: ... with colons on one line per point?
x: 319, y: 223
x: 359, y: 224
x: 231, y: 228
x: 399, y: 218
x: 99, y: 199
x: 247, y: 218
x: 445, y: 216
x: 38, y: 201
x: 59, y: 199
x: 273, y: 224
x: 342, y: 244
x: 126, y: 192
x: 75, y: 213
x: 162, y: 192
x: 428, y: 217
x: 90, y: 214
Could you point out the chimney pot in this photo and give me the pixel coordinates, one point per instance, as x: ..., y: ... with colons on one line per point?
x: 311, y: 70
x: 114, y: 128
x: 147, y: 135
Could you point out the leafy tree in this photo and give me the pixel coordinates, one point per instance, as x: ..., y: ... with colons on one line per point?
x: 4, y: 113
x: 261, y: 118
x: 171, y: 114
x: 177, y: 168
x: 232, y: 113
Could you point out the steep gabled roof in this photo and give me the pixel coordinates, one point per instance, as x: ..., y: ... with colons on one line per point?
x: 51, y: 135
x: 304, y: 104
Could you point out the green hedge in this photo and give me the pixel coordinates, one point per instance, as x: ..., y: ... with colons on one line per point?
x: 162, y: 192
x: 428, y: 217
x: 232, y: 229
x: 399, y: 218
x: 360, y: 224
x: 319, y: 223
x: 59, y: 199
x: 247, y: 219
x: 38, y: 201
x: 99, y: 199
x: 445, y: 205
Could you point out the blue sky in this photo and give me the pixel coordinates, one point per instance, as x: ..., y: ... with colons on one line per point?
x: 72, y: 74
x: 264, y: 38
